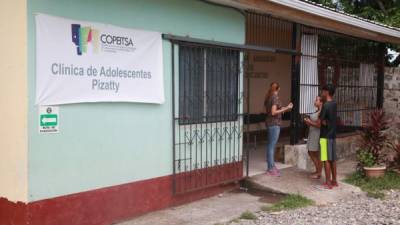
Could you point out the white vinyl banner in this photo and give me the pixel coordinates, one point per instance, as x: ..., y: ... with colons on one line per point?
x: 79, y: 61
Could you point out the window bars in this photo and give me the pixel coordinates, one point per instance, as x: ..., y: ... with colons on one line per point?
x: 207, y: 121
x: 351, y: 64
x: 208, y: 84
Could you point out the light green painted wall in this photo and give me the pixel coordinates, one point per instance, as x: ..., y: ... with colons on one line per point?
x: 106, y: 144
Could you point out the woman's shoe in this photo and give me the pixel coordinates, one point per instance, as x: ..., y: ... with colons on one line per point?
x: 272, y: 173
x: 277, y: 171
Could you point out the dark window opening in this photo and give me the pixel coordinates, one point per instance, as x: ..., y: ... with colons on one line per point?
x: 208, y: 84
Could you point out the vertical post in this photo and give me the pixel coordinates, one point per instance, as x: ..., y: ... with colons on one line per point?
x: 247, y: 115
x: 295, y: 93
x: 246, y: 107
x: 381, y: 76
x: 173, y: 116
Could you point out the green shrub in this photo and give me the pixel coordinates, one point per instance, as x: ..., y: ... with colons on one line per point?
x: 373, y: 140
x: 366, y: 158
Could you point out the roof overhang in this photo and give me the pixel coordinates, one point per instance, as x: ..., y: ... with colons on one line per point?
x: 320, y: 17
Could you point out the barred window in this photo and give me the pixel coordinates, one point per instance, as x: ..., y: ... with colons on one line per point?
x: 350, y: 64
x: 208, y: 84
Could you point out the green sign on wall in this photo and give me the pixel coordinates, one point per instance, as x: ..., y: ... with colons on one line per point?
x: 48, y: 119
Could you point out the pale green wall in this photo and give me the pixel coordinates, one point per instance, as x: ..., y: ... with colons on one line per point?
x: 106, y: 144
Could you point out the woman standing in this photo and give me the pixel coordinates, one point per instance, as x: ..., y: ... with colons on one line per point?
x: 313, y: 138
x: 274, y: 110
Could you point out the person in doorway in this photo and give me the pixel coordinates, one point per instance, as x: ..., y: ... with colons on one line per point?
x: 274, y: 111
x: 327, y: 120
x: 313, y: 137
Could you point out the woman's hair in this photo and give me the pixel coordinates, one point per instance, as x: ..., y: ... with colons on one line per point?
x: 321, y: 99
x: 272, y: 89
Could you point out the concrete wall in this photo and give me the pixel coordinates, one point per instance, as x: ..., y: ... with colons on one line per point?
x: 13, y: 100
x: 392, y: 105
x: 297, y: 155
x: 94, y: 150
x: 392, y: 91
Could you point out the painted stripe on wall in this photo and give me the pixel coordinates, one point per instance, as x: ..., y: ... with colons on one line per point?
x: 13, y: 100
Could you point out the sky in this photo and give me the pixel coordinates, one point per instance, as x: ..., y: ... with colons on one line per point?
x: 395, y: 54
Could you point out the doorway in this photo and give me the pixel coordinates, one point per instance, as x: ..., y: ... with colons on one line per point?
x: 263, y: 69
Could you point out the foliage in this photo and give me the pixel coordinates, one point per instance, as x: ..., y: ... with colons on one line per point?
x: 395, y: 163
x: 383, y: 11
x: 375, y: 186
x: 366, y: 159
x: 247, y: 215
x: 373, y: 140
x: 289, y: 202
x: 328, y: 3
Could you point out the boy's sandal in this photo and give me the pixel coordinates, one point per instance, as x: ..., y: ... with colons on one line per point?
x: 324, y: 186
x: 334, y: 184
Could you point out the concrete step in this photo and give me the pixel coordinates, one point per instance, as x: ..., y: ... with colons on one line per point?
x: 297, y: 181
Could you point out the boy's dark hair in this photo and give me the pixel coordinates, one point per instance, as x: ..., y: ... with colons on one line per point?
x: 330, y: 88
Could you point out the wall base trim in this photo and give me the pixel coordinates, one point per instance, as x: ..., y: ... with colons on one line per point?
x: 102, y: 206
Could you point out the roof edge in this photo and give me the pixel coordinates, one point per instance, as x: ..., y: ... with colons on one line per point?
x: 372, y: 30
x: 339, y: 16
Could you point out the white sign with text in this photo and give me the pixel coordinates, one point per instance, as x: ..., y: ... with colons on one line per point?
x: 78, y: 61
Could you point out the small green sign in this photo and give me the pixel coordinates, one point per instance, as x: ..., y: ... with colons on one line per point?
x: 48, y: 120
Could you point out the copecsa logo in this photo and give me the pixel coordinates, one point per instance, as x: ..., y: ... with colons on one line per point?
x: 85, y: 36
x: 82, y: 36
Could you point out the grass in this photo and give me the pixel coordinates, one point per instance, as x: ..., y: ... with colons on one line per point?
x: 375, y: 186
x: 289, y: 202
x: 247, y: 215
x: 236, y: 220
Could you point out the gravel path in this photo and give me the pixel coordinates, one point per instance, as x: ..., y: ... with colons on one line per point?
x: 359, y: 210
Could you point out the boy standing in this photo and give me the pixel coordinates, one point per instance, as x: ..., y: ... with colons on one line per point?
x: 327, y: 121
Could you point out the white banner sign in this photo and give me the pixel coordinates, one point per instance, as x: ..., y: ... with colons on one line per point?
x: 79, y: 61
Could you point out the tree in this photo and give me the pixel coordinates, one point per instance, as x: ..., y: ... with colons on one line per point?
x: 383, y: 11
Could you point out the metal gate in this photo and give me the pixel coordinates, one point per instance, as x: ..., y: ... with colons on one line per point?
x: 207, y: 115
x: 208, y: 102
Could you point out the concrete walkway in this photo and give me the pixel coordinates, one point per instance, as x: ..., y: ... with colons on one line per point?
x: 230, y: 205
x: 214, y: 210
x: 295, y: 181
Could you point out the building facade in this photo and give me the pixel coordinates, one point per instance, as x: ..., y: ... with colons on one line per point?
x: 115, y: 160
